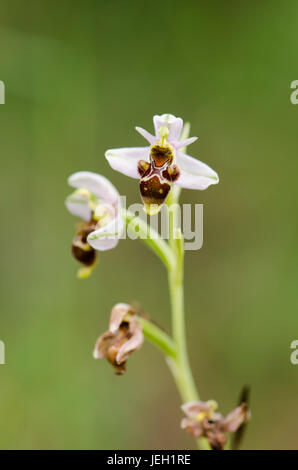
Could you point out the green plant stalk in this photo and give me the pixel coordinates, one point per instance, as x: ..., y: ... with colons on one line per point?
x: 158, y: 337
x: 183, y: 372
x: 179, y: 365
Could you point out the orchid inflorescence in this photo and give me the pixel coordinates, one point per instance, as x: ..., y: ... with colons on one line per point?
x: 163, y: 168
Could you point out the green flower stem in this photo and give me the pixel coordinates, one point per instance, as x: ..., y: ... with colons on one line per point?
x: 179, y: 365
x: 151, y: 237
x: 158, y: 337
x: 183, y: 373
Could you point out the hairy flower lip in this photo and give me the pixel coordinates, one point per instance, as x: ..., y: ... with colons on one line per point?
x: 193, y: 174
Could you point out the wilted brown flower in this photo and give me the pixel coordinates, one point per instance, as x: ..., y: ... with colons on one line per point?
x: 123, y: 337
x: 203, y: 421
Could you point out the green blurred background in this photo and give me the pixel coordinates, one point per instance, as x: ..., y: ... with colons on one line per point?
x: 79, y: 76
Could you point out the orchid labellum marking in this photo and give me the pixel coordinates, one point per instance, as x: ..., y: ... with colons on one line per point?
x: 157, y: 176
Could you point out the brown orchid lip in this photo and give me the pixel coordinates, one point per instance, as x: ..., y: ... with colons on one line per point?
x: 154, y: 189
x: 155, y: 183
x: 80, y: 248
x: 157, y: 176
x: 84, y: 254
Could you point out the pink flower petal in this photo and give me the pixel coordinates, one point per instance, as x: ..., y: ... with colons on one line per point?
x: 193, y: 408
x: 97, y: 184
x: 174, y: 125
x: 125, y: 160
x: 194, y: 173
x: 107, y: 237
x: 151, y: 138
x: 236, y: 418
x: 78, y: 205
x: 117, y: 314
x: 183, y: 143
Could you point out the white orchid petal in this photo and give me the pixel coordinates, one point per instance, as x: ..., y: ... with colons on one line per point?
x: 151, y: 138
x: 97, y: 184
x: 194, y: 173
x: 107, y: 237
x: 103, y: 243
x: 125, y: 160
x: 171, y: 122
x: 184, y: 143
x: 78, y: 205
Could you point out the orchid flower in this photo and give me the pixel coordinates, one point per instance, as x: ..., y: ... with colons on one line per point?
x: 96, y: 201
x: 162, y: 163
x: 203, y: 421
x: 123, y: 337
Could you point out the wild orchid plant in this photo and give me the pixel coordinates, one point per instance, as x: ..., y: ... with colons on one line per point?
x: 163, y: 168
